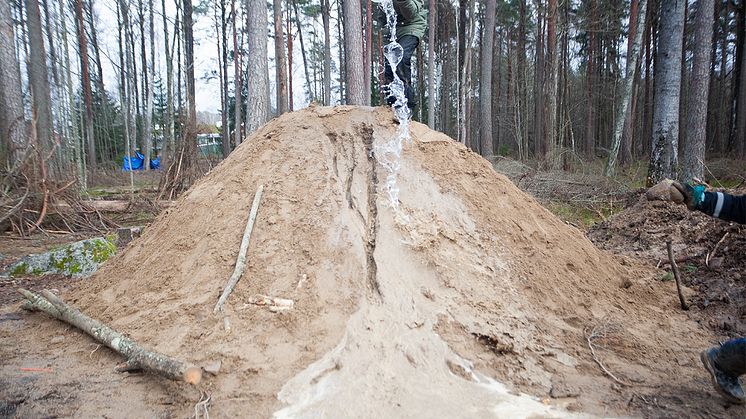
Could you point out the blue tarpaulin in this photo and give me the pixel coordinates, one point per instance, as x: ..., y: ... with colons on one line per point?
x: 136, y: 163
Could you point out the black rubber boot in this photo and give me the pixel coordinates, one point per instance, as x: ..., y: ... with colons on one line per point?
x: 725, y: 364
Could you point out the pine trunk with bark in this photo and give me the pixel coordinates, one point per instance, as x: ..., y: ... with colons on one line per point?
x: 86, y: 85
x: 238, y: 82
x: 353, y: 44
x: 696, y: 115
x: 327, y: 90
x: 281, y: 73
x: 41, y: 104
x: 258, y: 73
x: 13, y: 139
x: 168, y: 135
x: 431, y: 65
x: 485, y: 84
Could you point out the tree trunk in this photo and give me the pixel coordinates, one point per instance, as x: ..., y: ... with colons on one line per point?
x: 258, y: 86
x: 696, y: 115
x: 368, y: 57
x: 664, y: 154
x: 539, y: 80
x: 325, y: 11
x: 353, y: 41
x: 124, y: 86
x: 190, y: 137
x: 237, y: 77
x: 39, y: 80
x: 168, y: 130
x: 626, y: 97
x: 221, y: 27
x: 310, y: 87
x: 590, y: 122
x: 550, y: 130
x: 289, y: 71
x: 431, y: 66
x: 148, y: 128
x: 280, y: 60
x: 13, y: 140
x: 629, y: 118
x: 741, y: 105
x: 86, y: 85
x: 485, y: 80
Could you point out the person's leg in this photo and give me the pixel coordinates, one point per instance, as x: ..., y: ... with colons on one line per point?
x: 726, y: 363
x: 404, y: 69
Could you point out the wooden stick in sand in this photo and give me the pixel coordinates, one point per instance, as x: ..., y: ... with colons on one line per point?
x: 138, y: 358
x: 675, y: 268
x: 241, y: 260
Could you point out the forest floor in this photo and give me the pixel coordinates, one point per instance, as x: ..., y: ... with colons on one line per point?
x: 511, y: 292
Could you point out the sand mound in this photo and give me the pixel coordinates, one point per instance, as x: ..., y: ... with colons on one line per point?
x: 423, y: 316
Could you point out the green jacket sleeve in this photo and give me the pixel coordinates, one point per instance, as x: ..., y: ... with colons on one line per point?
x: 409, y: 9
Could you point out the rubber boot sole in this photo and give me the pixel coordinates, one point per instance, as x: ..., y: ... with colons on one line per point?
x: 709, y: 367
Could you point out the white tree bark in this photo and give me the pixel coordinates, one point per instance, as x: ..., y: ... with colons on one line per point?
x: 629, y: 80
x: 667, y: 92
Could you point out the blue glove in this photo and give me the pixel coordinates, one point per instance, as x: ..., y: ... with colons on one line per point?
x: 693, y: 195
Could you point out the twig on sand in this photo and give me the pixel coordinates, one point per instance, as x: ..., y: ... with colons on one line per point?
x: 711, y: 255
x: 675, y: 268
x: 599, y: 333
x: 200, y: 409
x: 241, y: 260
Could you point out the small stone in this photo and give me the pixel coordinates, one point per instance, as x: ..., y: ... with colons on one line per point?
x: 213, y: 367
x: 58, y: 339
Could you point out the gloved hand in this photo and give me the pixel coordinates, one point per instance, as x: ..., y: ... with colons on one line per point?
x: 692, y: 196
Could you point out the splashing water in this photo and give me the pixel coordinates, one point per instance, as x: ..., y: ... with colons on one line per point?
x: 389, y: 154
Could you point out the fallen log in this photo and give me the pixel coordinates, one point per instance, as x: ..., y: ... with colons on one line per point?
x: 105, y: 205
x: 137, y: 357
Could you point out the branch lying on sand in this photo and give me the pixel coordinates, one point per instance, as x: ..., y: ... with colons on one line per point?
x: 675, y: 268
x: 137, y: 356
x: 241, y: 260
x: 598, y: 333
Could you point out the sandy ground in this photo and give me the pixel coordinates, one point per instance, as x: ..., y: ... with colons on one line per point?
x: 472, y: 301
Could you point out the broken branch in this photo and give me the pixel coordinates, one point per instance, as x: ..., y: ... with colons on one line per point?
x: 241, y: 260
x: 711, y: 255
x: 137, y: 356
x: 675, y: 268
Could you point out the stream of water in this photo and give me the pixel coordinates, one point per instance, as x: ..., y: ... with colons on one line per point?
x: 389, y: 153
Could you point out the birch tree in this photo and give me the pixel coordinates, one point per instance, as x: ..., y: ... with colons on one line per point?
x: 629, y: 80
x: 665, y: 142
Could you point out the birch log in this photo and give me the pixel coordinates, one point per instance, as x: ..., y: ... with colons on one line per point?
x: 241, y: 259
x: 137, y: 357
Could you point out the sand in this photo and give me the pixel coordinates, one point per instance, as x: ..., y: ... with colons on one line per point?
x: 473, y: 301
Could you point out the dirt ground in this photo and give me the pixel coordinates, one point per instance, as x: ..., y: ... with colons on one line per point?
x: 470, y: 300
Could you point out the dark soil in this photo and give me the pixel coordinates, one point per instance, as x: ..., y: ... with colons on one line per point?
x: 709, y: 254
